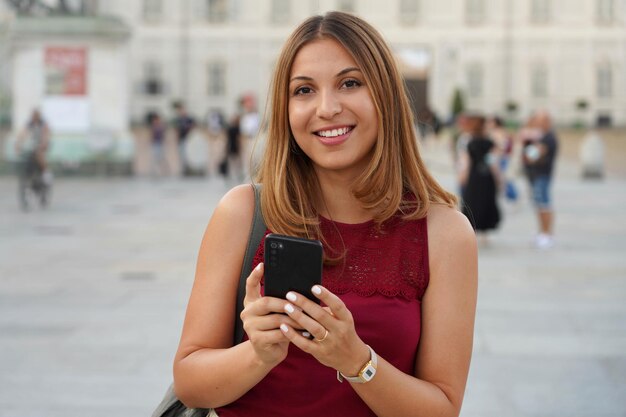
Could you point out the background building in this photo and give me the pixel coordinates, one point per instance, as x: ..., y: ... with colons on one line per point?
x: 504, y: 56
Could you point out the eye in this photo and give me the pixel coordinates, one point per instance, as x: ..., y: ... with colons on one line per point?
x: 352, y: 83
x: 302, y: 91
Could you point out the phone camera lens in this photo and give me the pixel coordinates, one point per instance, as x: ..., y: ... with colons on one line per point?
x: 273, y: 245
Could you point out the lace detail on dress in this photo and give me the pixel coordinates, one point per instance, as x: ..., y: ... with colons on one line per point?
x: 391, y: 260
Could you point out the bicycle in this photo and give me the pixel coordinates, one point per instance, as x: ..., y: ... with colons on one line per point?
x: 31, y: 181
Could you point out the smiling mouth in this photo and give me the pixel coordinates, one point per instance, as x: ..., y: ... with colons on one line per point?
x: 333, y: 133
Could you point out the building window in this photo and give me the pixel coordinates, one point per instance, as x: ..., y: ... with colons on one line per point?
x: 540, y: 11
x: 217, y: 11
x: 539, y: 81
x: 347, y: 6
x: 475, y: 11
x: 605, y: 11
x: 475, y: 81
x: 280, y: 12
x: 409, y: 11
x: 216, y: 77
x: 152, y: 9
x: 89, y: 7
x: 153, y: 84
x: 604, y: 80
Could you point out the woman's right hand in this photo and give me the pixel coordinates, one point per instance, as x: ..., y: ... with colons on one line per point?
x: 262, y: 317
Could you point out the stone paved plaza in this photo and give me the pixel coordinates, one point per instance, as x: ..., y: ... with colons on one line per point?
x: 93, y: 292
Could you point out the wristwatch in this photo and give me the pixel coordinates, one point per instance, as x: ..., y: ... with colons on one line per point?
x: 366, y: 373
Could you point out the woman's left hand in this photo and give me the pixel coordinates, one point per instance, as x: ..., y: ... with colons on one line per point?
x: 335, y: 342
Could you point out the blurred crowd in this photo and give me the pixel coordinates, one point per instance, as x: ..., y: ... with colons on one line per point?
x: 492, y: 161
x: 231, y: 139
x: 489, y: 158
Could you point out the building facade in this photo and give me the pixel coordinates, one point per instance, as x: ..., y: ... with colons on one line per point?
x: 507, y: 57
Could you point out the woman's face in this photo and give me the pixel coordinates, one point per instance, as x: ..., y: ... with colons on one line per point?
x: 331, y: 111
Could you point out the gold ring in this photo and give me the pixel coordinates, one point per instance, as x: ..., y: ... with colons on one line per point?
x: 323, y: 338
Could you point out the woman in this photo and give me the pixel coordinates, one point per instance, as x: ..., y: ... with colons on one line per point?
x: 158, y: 131
x: 233, y: 159
x: 341, y: 165
x: 503, y: 141
x: 31, y: 147
x: 35, y: 139
x: 480, y: 178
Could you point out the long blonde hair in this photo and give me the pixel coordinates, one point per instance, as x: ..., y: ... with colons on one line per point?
x: 396, y: 170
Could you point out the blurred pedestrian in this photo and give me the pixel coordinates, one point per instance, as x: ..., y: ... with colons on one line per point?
x: 479, y: 178
x: 540, y: 148
x: 216, y: 132
x: 31, y: 147
x: 158, y: 129
x: 428, y: 124
x: 248, y: 129
x: 504, y: 144
x: 183, y: 124
x: 460, y: 138
x: 215, y: 123
x: 34, y: 140
x: 233, y: 156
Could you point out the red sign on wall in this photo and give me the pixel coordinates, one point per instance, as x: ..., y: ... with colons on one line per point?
x: 66, y: 71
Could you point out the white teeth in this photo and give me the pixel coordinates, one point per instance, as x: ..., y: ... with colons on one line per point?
x: 333, y: 133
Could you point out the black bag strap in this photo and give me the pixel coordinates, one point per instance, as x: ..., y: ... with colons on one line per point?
x: 257, y: 232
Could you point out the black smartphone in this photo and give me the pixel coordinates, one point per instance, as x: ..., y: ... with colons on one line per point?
x: 292, y: 264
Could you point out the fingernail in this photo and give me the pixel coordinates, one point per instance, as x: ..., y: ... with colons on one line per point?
x: 291, y: 297
x: 258, y: 267
x: 289, y: 308
x: 317, y: 290
x: 284, y: 328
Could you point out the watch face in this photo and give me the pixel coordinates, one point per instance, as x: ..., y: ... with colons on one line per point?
x: 368, y: 373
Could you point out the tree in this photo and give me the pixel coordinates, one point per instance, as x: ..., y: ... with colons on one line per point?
x: 581, y: 106
x: 458, y: 103
x: 511, y: 107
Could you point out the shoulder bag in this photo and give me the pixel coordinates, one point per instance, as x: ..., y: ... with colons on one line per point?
x: 171, y: 406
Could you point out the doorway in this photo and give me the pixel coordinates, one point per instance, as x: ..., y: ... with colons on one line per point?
x: 417, y: 89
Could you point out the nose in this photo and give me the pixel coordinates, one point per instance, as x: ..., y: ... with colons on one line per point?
x: 328, y: 105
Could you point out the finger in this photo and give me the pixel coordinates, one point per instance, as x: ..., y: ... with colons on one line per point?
x: 264, y: 306
x: 272, y: 322
x: 322, y: 317
x: 334, y: 303
x: 305, y: 321
x: 297, y: 338
x: 268, y: 338
x: 253, y: 284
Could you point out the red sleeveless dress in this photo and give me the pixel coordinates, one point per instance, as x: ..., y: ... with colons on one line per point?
x: 382, y: 282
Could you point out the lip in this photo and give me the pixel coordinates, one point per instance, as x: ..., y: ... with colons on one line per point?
x: 336, y: 140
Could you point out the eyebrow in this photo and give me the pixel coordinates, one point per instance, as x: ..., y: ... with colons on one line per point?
x: 339, y: 74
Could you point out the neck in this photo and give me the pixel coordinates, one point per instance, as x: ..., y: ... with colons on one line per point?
x: 336, y: 201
